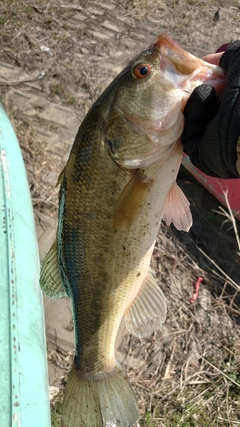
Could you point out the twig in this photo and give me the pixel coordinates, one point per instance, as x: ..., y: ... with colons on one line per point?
x: 19, y: 82
x: 224, y: 419
x: 221, y: 372
x: 198, y: 395
x: 168, y: 367
x: 227, y: 402
x: 230, y: 217
x: 69, y: 6
x: 12, y: 57
x: 233, y: 283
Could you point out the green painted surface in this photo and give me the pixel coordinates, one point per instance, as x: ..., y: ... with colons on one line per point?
x: 24, y: 398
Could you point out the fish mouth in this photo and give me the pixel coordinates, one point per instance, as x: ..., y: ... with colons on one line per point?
x: 185, y: 70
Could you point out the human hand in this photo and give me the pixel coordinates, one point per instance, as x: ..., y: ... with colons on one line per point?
x: 211, y: 135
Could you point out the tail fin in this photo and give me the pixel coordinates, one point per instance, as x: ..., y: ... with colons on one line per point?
x: 104, y: 402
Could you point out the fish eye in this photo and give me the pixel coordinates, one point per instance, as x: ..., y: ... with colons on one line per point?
x: 142, y: 70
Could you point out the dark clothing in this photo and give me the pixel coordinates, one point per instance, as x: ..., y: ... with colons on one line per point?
x: 212, y: 126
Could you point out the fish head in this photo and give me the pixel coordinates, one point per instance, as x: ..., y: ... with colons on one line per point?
x: 146, y: 120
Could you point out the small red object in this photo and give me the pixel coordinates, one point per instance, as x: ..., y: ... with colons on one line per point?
x: 196, y: 288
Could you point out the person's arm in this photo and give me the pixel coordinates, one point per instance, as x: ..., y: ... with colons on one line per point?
x: 211, y: 135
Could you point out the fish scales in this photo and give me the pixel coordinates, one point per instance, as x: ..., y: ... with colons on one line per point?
x: 119, y: 182
x: 110, y: 277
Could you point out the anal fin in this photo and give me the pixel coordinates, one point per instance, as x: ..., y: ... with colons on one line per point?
x: 148, y: 311
x: 50, y: 280
x: 177, y: 210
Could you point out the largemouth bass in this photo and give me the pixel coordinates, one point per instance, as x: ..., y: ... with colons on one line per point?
x: 118, y: 183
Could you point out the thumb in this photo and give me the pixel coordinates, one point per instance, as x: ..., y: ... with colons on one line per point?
x: 200, y: 109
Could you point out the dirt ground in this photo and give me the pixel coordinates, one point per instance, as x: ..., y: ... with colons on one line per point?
x: 187, y: 374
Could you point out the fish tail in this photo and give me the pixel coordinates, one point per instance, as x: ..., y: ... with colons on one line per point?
x: 102, y: 401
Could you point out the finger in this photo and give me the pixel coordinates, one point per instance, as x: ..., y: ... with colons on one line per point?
x: 214, y: 152
x: 200, y: 108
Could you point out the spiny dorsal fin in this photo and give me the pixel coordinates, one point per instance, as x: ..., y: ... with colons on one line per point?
x: 50, y: 280
x: 132, y: 200
x: 148, y: 311
x: 176, y: 209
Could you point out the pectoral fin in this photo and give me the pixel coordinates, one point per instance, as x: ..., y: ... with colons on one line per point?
x: 176, y: 209
x: 132, y: 200
x: 50, y: 280
x: 148, y: 311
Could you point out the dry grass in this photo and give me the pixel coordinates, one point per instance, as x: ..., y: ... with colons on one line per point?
x: 44, y: 194
x: 187, y: 374
x: 193, y: 363
x: 230, y: 218
x: 191, y: 22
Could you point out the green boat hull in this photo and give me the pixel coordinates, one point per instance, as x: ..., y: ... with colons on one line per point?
x: 24, y: 397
